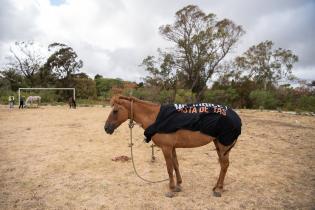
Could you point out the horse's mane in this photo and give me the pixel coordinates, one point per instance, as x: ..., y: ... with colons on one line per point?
x: 118, y: 98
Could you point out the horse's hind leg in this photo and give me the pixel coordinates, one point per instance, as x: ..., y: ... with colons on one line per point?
x: 223, y: 153
x: 178, y: 176
x: 167, y: 151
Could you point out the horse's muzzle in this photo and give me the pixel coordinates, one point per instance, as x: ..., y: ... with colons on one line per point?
x: 109, y: 128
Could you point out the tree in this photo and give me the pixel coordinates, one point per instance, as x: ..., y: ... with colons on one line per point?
x: 227, y: 96
x: 104, y: 85
x: 45, y: 77
x: 98, y: 76
x: 85, y: 87
x: 12, y: 80
x: 200, y: 44
x: 26, y: 60
x: 4, y: 84
x: 263, y: 99
x: 267, y: 65
x: 63, y: 62
x: 162, y: 73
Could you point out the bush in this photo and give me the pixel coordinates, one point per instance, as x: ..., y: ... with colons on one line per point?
x: 307, y: 103
x: 4, y: 96
x: 104, y: 85
x: 165, y: 97
x: 228, y: 97
x: 85, y: 88
x: 151, y: 94
x: 148, y: 94
x: 184, y: 96
x: 263, y: 99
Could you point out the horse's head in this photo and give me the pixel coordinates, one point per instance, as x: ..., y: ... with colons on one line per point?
x: 117, y: 116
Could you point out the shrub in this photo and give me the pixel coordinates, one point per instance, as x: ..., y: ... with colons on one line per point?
x: 85, y: 88
x: 165, y: 97
x: 149, y: 94
x: 184, y: 96
x: 307, y: 103
x: 228, y: 97
x: 104, y: 85
x: 263, y: 99
x: 4, y: 95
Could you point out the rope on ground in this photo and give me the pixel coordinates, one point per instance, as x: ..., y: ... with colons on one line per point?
x: 131, y: 125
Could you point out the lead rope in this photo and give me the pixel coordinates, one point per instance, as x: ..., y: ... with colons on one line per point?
x: 131, y: 125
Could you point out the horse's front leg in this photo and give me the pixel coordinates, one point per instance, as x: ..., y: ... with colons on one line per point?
x: 176, y: 167
x: 167, y: 151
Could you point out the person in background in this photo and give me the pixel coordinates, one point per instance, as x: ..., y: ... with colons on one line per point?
x: 11, y: 102
x: 21, y: 102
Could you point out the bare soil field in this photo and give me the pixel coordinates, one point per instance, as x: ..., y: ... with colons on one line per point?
x: 57, y: 158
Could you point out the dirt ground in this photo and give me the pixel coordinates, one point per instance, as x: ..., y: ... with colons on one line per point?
x: 56, y: 158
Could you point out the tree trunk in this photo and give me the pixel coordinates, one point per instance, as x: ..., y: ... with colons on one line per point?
x: 198, y: 97
x: 199, y: 94
x: 174, y: 93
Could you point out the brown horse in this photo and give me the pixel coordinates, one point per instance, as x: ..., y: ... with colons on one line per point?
x: 72, y: 103
x: 144, y: 113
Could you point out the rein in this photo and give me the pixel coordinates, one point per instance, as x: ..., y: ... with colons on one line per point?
x: 131, y: 125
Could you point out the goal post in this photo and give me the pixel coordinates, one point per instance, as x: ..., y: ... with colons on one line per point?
x: 19, y: 92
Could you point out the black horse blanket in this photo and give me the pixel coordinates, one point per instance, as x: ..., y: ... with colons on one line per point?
x: 214, y: 120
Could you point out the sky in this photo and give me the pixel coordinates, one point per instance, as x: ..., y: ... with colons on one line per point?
x: 112, y: 37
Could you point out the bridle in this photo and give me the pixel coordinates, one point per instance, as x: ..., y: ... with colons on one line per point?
x: 131, y: 124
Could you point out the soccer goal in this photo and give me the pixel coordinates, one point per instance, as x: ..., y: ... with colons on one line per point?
x: 73, y: 90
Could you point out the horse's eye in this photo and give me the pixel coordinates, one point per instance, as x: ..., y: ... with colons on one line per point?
x: 115, y: 111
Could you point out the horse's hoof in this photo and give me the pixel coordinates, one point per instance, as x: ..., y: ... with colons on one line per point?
x: 177, y: 189
x: 170, y: 194
x: 217, y: 194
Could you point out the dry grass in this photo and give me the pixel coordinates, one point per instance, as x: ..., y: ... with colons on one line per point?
x: 56, y: 158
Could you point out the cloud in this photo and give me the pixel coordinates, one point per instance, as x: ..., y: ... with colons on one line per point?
x: 289, y: 29
x: 17, y: 21
x: 112, y: 37
x: 57, y: 2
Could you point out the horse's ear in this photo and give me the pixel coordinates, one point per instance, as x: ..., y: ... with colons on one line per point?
x: 115, y: 100
x: 124, y: 97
